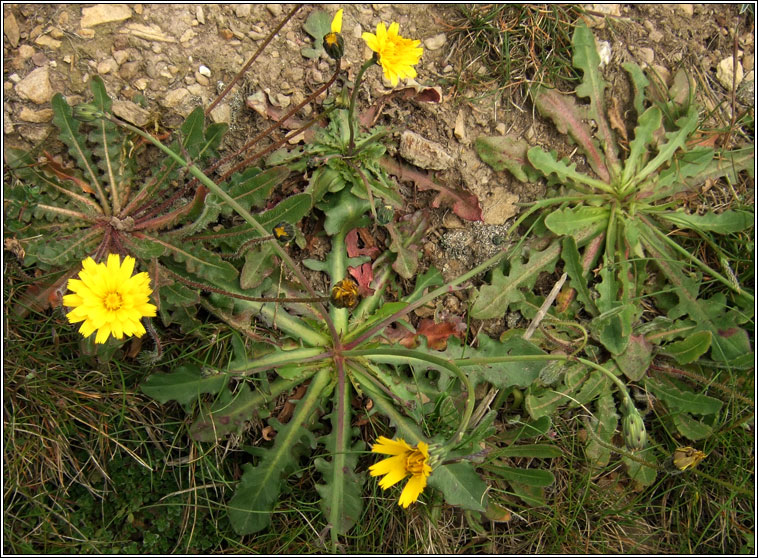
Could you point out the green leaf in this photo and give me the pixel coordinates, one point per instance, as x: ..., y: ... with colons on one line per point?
x: 494, y: 299
x: 291, y: 210
x: 529, y: 477
x: 643, y: 474
x: 203, y: 263
x: 460, y: 485
x: 430, y: 278
x: 548, y: 164
x: 344, y: 212
x: 526, y: 430
x: 604, y: 425
x: 639, y: 83
x: 678, y: 400
x: 252, y: 188
x: 543, y: 402
x: 318, y: 24
x: 676, y: 140
x: 691, y: 347
x: 690, y: 428
x: 504, y: 153
x: 184, y: 385
x: 647, y: 123
x: 575, y: 270
x: 614, y: 328
x: 543, y: 451
x: 341, y: 501
x: 253, y: 502
x: 569, y: 221
x: 635, y: 359
x: 502, y: 374
x: 258, y: 265
x: 730, y: 221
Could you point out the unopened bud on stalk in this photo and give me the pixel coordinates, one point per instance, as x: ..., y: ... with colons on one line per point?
x: 635, y: 436
x: 87, y: 112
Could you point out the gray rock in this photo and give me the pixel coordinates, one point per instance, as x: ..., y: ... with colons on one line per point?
x: 436, y: 42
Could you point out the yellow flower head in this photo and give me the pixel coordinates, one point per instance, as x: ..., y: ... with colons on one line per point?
x: 334, y: 44
x: 405, y: 461
x: 109, y: 300
x: 396, y: 54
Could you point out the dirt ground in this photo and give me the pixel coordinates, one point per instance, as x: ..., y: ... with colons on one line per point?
x: 171, y: 58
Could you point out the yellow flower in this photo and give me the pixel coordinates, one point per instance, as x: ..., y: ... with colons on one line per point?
x: 334, y: 44
x: 405, y: 461
x: 109, y: 300
x: 396, y: 54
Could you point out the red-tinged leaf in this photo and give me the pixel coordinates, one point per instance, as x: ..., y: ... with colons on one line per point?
x: 359, y: 242
x: 399, y: 334
x: 438, y: 334
x: 61, y: 172
x: 363, y: 275
x: 464, y: 204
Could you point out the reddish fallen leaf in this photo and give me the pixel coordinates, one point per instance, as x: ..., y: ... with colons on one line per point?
x: 359, y: 242
x: 464, y: 204
x: 363, y: 275
x: 437, y: 334
x: 61, y: 172
x: 419, y: 93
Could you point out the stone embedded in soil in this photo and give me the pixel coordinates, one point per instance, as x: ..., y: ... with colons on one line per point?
x: 222, y: 113
x: 174, y: 98
x: 131, y: 112
x: 613, y: 10
x: 36, y: 86
x: 725, y: 73
x: 11, y: 30
x: 47, y: 41
x: 436, y: 42
x: 36, y: 116
x: 104, y: 13
x: 424, y: 153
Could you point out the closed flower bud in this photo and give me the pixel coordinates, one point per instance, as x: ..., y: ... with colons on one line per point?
x: 385, y: 214
x: 284, y: 232
x: 345, y: 294
x: 87, y: 112
x: 635, y: 436
x: 334, y: 45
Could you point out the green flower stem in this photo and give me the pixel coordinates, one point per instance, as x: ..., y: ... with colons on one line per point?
x: 705, y: 268
x: 337, y: 271
x: 213, y: 187
x: 408, y: 355
x: 351, y: 114
x: 280, y: 358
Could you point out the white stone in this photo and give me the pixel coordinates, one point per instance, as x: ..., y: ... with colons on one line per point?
x: 436, y: 42
x: 104, y: 13
x: 204, y: 71
x: 604, y: 52
x: 36, y: 86
x: 725, y: 73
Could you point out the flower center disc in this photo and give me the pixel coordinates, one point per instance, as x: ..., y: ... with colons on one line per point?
x: 414, y: 464
x: 113, y: 301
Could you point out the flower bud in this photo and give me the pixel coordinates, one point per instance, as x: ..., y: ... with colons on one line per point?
x: 385, y: 214
x: 87, y: 112
x: 284, y: 232
x: 345, y: 293
x: 334, y: 45
x: 635, y: 436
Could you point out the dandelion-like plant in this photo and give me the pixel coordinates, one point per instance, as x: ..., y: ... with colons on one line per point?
x: 108, y: 299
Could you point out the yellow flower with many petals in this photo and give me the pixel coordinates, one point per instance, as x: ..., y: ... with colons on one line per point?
x: 405, y: 461
x: 109, y: 300
x: 396, y: 54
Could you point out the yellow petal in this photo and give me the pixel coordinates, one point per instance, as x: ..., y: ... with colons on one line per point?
x: 396, y: 463
x: 412, y: 490
x: 390, y: 447
x: 337, y: 22
x: 371, y: 41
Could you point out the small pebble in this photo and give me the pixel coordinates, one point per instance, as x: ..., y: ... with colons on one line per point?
x: 204, y: 71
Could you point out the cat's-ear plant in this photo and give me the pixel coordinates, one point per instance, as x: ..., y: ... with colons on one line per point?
x: 617, y: 227
x: 345, y: 351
